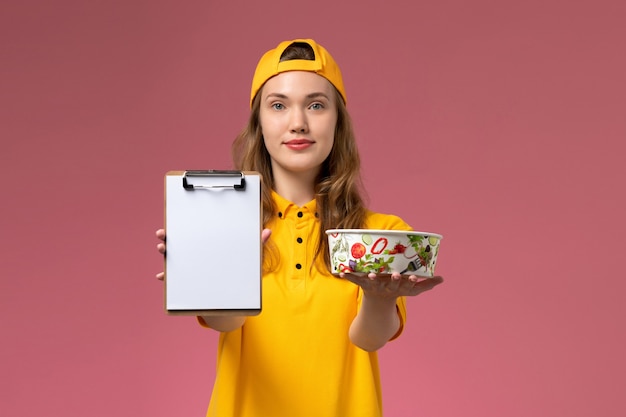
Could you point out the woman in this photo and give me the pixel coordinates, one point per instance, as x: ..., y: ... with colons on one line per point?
x: 312, y: 350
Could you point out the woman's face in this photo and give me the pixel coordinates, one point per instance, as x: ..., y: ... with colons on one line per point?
x: 298, y: 115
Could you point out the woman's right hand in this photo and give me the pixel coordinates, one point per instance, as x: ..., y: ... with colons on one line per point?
x: 160, y: 234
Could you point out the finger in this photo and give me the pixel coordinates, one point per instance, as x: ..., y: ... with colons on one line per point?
x: 265, y: 234
x: 360, y: 280
x: 161, y: 248
x: 436, y: 280
x: 395, y: 282
x: 160, y: 234
x: 427, y: 284
x: 160, y: 276
x: 395, y: 276
x: 349, y: 277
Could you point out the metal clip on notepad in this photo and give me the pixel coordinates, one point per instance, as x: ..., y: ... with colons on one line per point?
x: 209, y: 174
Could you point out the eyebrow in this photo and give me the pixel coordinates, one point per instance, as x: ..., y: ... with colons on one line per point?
x: 308, y: 96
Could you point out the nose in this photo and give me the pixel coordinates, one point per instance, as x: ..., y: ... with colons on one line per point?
x: 298, y: 121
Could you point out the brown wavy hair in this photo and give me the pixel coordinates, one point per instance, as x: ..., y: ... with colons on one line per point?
x: 338, y: 188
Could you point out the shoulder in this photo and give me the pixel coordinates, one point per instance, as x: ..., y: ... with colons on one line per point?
x: 385, y: 222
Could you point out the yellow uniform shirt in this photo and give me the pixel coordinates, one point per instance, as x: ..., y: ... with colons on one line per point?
x: 295, y: 358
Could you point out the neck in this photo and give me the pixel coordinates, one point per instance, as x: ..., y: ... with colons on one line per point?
x: 298, y: 188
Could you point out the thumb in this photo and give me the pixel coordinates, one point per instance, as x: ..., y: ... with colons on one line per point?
x: 265, y: 234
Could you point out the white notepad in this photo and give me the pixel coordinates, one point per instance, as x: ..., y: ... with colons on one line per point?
x: 213, y: 242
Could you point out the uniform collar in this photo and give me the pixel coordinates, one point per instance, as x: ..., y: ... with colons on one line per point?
x: 285, y: 207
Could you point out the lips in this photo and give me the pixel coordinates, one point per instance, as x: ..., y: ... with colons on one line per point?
x: 298, y: 144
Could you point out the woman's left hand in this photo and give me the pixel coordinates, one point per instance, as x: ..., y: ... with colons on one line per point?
x: 392, y: 285
x: 377, y: 320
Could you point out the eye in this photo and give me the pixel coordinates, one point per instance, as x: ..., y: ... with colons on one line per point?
x: 277, y: 106
x: 316, y: 106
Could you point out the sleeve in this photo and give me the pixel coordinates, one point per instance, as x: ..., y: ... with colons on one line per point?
x: 385, y: 222
x: 401, y: 307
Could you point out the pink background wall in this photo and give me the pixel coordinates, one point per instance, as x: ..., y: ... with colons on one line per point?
x: 499, y: 124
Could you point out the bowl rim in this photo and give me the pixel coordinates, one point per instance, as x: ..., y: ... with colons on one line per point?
x: 382, y: 231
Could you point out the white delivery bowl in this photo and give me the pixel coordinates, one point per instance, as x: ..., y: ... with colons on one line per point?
x: 383, y: 251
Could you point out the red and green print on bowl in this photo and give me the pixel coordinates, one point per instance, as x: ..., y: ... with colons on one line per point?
x: 383, y: 251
